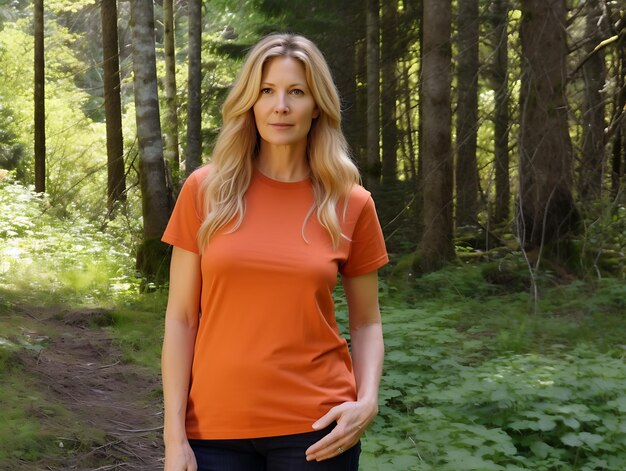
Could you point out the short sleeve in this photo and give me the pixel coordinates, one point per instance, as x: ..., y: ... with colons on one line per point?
x: 183, y: 226
x: 367, y: 247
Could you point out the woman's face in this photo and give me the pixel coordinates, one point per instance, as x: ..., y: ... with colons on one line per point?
x: 285, y: 107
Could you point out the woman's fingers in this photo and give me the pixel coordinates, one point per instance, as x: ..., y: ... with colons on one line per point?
x: 326, y: 420
x: 352, y: 418
x: 333, y: 450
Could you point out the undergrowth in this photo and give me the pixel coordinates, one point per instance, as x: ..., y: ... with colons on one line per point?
x: 64, y: 256
x: 474, y: 381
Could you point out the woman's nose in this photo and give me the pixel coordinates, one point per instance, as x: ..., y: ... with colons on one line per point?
x: 281, y: 104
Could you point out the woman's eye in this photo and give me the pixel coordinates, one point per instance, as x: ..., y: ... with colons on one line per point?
x: 297, y: 91
x: 266, y: 90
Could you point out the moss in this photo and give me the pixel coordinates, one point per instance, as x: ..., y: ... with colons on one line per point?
x: 153, y: 261
x: 510, y: 274
x: 9, y: 360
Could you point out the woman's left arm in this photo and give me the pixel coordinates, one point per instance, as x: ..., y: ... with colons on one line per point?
x: 366, y: 336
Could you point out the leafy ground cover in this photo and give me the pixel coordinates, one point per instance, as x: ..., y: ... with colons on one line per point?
x: 477, y: 375
x: 64, y: 256
x: 475, y: 380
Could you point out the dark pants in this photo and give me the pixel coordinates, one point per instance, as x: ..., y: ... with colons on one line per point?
x: 284, y: 453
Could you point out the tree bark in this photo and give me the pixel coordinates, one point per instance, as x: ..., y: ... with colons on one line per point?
x: 499, y: 21
x: 411, y: 21
x: 194, y: 109
x: 373, y: 92
x: 40, y: 99
x: 593, y: 157
x: 343, y: 63
x: 116, y: 179
x: 618, y: 151
x: 408, y: 107
x: 389, y: 91
x: 171, y: 102
x: 419, y: 183
x: 437, y: 239
x: 467, y: 113
x: 154, y: 194
x: 546, y: 211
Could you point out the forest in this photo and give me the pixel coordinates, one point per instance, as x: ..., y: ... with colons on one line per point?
x: 492, y: 136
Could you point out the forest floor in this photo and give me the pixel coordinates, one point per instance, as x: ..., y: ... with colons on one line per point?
x: 114, y: 405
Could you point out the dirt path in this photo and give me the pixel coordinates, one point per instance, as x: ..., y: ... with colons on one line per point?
x: 82, y: 369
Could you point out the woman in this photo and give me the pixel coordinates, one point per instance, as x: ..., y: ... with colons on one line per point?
x: 255, y: 373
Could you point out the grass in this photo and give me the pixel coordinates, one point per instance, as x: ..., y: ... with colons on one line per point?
x: 138, y: 329
x: 32, y: 427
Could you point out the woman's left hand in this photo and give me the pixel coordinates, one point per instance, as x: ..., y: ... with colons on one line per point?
x: 352, y: 419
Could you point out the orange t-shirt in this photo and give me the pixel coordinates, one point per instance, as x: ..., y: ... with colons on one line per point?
x: 268, y: 358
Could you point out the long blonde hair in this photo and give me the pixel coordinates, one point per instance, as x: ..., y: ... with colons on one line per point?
x: 333, y: 173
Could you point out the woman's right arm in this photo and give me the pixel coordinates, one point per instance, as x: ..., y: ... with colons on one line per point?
x: 181, y: 327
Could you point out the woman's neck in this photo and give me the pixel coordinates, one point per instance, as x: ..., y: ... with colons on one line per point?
x: 283, y: 163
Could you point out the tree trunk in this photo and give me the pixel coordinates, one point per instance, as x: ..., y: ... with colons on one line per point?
x: 40, y: 97
x: 419, y: 182
x: 411, y: 21
x: 154, y: 195
x: 171, y: 102
x: 467, y: 113
x: 593, y: 158
x: 618, y: 165
x: 546, y: 210
x: 373, y: 93
x: 346, y: 82
x: 499, y: 17
x: 116, y: 179
x: 389, y: 91
x: 194, y: 109
x: 343, y: 62
x: 361, y: 104
x: 408, y: 108
x: 437, y: 240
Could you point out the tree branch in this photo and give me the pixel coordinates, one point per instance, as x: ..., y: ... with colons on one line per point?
x: 602, y: 45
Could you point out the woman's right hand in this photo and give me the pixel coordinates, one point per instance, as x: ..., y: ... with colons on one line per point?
x: 180, y: 458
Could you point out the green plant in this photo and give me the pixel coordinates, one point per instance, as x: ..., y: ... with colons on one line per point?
x: 474, y: 382
x: 61, y: 258
x: 601, y: 247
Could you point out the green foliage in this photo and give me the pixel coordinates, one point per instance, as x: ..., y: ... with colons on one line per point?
x: 75, y: 147
x: 68, y: 6
x: 600, y: 249
x: 11, y: 151
x: 526, y: 409
x: 67, y: 257
x: 474, y: 382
